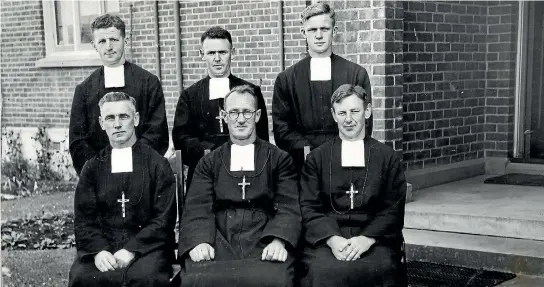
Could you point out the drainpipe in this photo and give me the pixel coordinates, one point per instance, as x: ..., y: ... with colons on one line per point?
x: 157, y: 42
x: 177, y: 25
x: 131, y: 32
x: 280, y: 28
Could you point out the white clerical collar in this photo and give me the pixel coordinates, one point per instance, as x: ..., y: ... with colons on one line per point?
x: 242, y: 157
x: 353, y: 153
x: 219, y: 88
x: 121, y: 160
x: 320, y: 69
x: 114, y: 77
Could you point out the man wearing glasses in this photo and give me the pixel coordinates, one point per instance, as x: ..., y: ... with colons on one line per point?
x: 198, y: 126
x: 241, y: 219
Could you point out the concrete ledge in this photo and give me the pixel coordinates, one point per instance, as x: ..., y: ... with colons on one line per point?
x: 496, y: 165
x: 436, y: 175
x: 494, y: 253
x: 483, y: 225
x: 529, y: 168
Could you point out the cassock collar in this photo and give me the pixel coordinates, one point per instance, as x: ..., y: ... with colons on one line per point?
x: 136, y: 147
x: 231, y: 78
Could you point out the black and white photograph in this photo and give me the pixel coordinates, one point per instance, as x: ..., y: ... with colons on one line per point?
x: 272, y: 143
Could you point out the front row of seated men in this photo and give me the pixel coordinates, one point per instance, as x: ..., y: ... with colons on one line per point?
x: 246, y: 209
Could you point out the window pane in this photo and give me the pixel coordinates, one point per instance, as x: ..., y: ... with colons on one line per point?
x: 88, y: 10
x: 65, y: 22
x: 112, y: 6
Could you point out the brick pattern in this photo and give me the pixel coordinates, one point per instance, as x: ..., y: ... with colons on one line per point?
x: 445, y: 83
x: 31, y: 96
x: 501, y: 67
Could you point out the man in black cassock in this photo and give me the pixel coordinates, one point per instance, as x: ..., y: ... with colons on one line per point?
x: 125, y: 207
x: 241, y: 219
x: 302, y: 93
x: 198, y: 126
x: 352, y: 200
x: 117, y: 74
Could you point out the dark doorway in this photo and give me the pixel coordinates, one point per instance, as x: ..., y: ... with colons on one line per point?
x: 534, y: 121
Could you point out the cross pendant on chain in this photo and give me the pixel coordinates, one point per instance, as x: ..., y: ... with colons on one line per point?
x: 243, y: 185
x: 122, y: 201
x: 351, y: 193
x: 220, y: 119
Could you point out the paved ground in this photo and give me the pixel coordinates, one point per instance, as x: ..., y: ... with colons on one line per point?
x: 472, y: 196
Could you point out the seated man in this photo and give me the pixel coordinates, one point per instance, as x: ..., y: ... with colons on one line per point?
x: 125, y: 207
x: 352, y: 201
x: 241, y: 219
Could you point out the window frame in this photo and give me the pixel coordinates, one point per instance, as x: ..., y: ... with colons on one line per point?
x: 73, y: 56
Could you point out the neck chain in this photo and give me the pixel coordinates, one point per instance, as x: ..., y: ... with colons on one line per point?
x: 351, y: 169
x: 255, y: 175
x: 122, y: 174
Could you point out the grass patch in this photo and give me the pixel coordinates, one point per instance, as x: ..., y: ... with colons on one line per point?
x: 28, y: 207
x: 38, y: 267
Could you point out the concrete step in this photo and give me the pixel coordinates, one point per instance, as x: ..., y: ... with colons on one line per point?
x: 529, y: 168
x: 520, y: 256
x: 476, y: 224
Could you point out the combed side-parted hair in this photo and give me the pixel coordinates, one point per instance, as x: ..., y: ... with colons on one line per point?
x: 216, y: 33
x: 317, y: 9
x: 106, y: 21
x: 347, y: 90
x: 117, y: 97
x: 243, y: 89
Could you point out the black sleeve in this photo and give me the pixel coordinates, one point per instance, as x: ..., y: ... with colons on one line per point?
x: 155, y: 127
x: 79, y: 133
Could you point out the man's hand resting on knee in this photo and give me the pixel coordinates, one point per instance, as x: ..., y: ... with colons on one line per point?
x: 123, y: 257
x: 357, y: 246
x: 338, y: 245
x: 202, y: 252
x: 275, y: 251
x: 105, y: 261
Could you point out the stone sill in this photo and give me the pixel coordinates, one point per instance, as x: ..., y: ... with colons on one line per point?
x: 70, y: 59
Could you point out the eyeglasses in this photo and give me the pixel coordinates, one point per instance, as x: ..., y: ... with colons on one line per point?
x: 233, y: 115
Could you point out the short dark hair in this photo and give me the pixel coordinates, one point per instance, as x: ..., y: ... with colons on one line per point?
x: 117, y: 97
x: 317, y: 9
x: 347, y: 90
x: 244, y: 89
x: 106, y: 21
x: 216, y: 33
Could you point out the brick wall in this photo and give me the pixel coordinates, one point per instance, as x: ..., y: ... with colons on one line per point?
x: 32, y: 96
x: 501, y: 67
x: 455, y: 84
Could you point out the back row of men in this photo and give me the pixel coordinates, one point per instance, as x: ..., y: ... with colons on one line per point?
x: 253, y: 210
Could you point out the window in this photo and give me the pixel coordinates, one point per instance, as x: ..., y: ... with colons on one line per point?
x: 67, y: 25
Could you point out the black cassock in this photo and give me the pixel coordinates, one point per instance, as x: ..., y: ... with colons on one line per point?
x: 378, y: 213
x: 301, y: 109
x: 238, y: 229
x: 147, y: 228
x: 87, y: 137
x: 196, y: 127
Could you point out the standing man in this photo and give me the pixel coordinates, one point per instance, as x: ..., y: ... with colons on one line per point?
x: 241, y: 220
x: 301, y: 102
x: 352, y: 199
x: 119, y: 75
x: 125, y: 207
x: 198, y: 125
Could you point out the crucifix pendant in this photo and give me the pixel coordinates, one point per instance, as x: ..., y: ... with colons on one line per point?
x: 351, y: 193
x: 243, y: 185
x: 122, y: 201
x: 220, y: 119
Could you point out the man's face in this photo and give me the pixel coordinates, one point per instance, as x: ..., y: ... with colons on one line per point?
x: 350, y: 114
x: 318, y: 31
x: 110, y: 45
x: 241, y: 116
x: 217, y: 53
x: 119, y: 121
